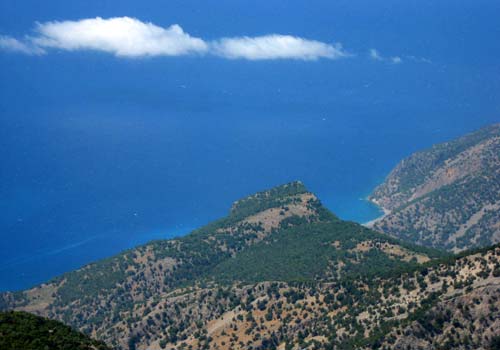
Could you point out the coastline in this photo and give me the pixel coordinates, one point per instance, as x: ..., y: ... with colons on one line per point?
x: 386, y: 211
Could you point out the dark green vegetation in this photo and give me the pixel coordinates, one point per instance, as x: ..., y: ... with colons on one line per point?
x: 448, y: 196
x: 306, y: 252
x: 197, y: 254
x: 24, y: 331
x: 298, y: 249
x: 279, y: 269
x: 260, y: 201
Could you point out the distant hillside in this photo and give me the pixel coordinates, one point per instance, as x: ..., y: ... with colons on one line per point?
x: 24, y: 331
x: 275, y: 250
x: 447, y: 196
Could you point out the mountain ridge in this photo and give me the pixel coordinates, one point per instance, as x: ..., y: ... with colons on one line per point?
x: 446, y: 196
x: 283, y: 234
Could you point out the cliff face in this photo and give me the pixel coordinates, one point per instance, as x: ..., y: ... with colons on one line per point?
x: 263, y: 276
x: 448, y: 196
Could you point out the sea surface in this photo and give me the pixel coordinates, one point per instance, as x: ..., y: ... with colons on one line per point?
x: 100, y: 153
x: 83, y: 188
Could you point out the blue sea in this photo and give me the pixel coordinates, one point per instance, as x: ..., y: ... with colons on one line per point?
x: 100, y: 154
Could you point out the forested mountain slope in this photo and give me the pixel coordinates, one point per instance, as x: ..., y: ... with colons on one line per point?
x: 24, y: 331
x: 281, y: 244
x: 447, y: 196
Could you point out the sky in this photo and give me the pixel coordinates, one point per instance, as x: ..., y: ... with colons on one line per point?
x: 125, y: 121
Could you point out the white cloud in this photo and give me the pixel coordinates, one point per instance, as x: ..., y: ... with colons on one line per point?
x: 396, y: 59
x: 418, y: 59
x: 129, y: 37
x: 121, y: 36
x: 375, y: 55
x: 8, y: 43
x: 274, y: 46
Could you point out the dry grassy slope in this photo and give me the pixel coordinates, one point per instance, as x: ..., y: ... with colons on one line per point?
x: 98, y: 297
x: 167, y: 292
x: 448, y: 196
x: 461, y: 318
x: 331, y: 315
